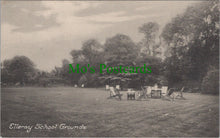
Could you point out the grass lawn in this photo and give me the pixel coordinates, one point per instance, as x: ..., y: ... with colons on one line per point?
x: 196, y: 116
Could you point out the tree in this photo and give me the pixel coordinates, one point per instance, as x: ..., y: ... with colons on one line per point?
x: 77, y: 56
x: 193, y: 39
x: 64, y: 71
x: 20, y: 69
x: 150, y: 31
x: 92, y: 49
x: 93, y: 53
x: 120, y: 50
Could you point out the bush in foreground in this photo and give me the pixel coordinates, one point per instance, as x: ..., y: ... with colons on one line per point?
x: 210, y: 83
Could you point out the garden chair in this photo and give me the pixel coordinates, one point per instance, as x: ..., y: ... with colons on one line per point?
x: 156, y: 91
x: 174, y: 94
x: 118, y: 87
x: 106, y: 87
x: 114, y: 93
x: 148, y: 88
x: 178, y: 94
x: 142, y: 94
x: 164, y: 90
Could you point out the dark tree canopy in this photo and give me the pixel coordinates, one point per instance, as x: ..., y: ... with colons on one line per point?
x: 120, y: 49
x: 20, y: 69
x: 193, y: 38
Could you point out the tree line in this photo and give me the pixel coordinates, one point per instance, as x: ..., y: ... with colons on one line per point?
x: 185, y: 53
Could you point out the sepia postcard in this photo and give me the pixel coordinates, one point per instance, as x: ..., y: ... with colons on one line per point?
x: 109, y: 68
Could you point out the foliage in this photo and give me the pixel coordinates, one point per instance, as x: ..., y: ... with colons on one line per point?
x: 210, y: 83
x: 148, y: 44
x: 193, y: 39
x: 120, y: 50
x: 18, y: 69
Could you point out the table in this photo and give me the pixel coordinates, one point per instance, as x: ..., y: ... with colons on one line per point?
x: 130, y: 95
x: 156, y: 92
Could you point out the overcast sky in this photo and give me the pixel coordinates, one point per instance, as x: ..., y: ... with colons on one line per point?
x: 46, y: 31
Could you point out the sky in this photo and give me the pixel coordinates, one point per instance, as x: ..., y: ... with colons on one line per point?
x: 47, y: 31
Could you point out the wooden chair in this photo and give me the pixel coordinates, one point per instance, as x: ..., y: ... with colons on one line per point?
x: 114, y: 93
x: 106, y: 87
x: 175, y: 94
x: 156, y: 92
x: 178, y: 94
x: 148, y: 90
x: 117, y: 87
x: 142, y: 94
x: 164, y: 90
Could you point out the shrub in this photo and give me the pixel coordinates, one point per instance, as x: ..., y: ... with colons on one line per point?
x: 210, y: 83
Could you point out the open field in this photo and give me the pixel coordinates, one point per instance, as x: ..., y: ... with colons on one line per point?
x: 198, y: 115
